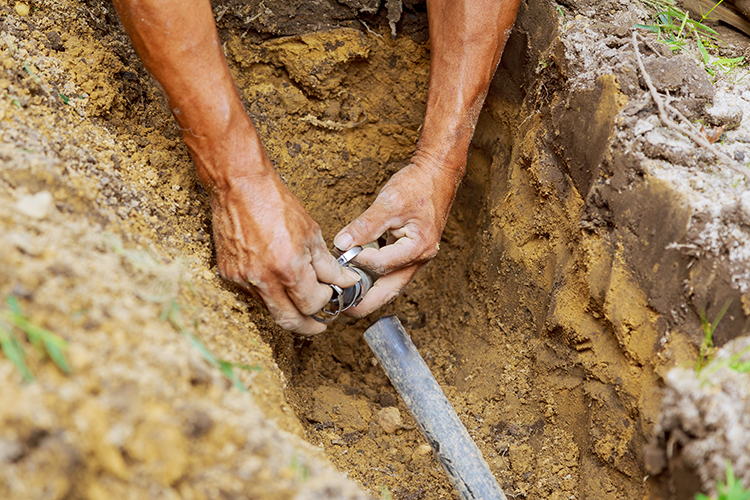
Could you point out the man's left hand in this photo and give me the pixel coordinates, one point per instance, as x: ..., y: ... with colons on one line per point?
x: 412, y: 208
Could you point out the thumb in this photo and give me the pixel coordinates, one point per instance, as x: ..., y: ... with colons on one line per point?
x: 364, y: 229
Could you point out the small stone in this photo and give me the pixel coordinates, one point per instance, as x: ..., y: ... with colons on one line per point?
x: 387, y: 399
x: 22, y: 9
x: 739, y: 155
x: 56, y: 43
x: 389, y: 419
x: 35, y: 206
x: 724, y: 113
x: 422, y: 452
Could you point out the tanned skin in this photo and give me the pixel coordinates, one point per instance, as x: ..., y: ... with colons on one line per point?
x: 265, y: 241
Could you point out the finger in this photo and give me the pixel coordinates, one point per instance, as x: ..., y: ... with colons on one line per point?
x: 305, y: 291
x: 288, y: 317
x: 329, y: 271
x: 390, y: 258
x: 366, y: 228
x: 385, y: 290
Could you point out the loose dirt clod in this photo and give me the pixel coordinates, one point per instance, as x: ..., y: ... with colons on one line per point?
x: 389, y: 419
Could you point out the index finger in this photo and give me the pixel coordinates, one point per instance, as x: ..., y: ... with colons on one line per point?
x: 390, y: 258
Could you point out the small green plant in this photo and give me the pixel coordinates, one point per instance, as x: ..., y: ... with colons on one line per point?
x: 707, y: 346
x: 674, y: 27
x: 172, y: 314
x: 385, y: 493
x: 14, y: 325
x: 731, y: 490
x: 163, y: 288
x: 678, y: 31
x: 301, y: 472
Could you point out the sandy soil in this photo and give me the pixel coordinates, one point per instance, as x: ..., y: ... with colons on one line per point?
x: 551, y: 316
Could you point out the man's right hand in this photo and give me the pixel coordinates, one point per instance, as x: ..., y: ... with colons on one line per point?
x: 267, y: 243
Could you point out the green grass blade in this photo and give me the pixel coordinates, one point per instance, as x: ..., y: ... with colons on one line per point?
x: 249, y: 368
x: 705, y: 28
x: 14, y: 352
x: 226, y: 368
x: 705, y: 16
x: 39, y: 333
x: 56, y: 354
x: 207, y: 355
x: 721, y: 314
x: 702, y: 49
x: 13, y: 305
x: 741, y: 367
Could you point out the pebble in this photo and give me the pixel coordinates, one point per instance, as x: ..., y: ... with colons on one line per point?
x: 387, y: 399
x: 22, y: 9
x: 423, y: 451
x: 36, y: 206
x: 724, y: 113
x: 389, y: 419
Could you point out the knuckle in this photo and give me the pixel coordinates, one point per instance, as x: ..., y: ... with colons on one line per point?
x: 307, y: 308
x: 430, y: 252
x: 289, y: 322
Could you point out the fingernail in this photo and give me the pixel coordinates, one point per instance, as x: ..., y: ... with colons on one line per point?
x: 353, y: 274
x: 343, y: 241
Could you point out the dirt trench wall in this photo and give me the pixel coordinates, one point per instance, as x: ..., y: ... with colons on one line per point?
x: 584, y: 247
x: 556, y: 302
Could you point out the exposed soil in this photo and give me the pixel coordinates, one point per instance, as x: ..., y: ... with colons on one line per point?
x: 583, y: 244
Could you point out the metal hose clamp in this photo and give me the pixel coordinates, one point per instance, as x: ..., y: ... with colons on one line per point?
x: 344, y: 298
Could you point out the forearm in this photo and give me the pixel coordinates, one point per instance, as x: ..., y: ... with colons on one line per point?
x: 179, y: 45
x: 466, y: 41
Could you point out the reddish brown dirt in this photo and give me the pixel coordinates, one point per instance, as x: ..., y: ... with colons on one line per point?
x: 543, y: 337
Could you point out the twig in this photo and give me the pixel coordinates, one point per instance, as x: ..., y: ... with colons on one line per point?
x: 369, y: 30
x: 221, y: 14
x: 688, y: 130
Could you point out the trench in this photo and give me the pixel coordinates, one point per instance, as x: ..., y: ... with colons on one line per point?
x: 504, y: 316
x: 549, y: 316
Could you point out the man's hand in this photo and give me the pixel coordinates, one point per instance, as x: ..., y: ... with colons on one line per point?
x: 270, y: 245
x: 265, y: 241
x: 467, y: 38
x: 412, y: 207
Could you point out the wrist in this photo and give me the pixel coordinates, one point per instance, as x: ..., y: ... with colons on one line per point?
x: 228, y: 154
x: 444, y: 159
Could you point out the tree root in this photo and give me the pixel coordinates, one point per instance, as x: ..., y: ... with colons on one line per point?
x: 688, y: 129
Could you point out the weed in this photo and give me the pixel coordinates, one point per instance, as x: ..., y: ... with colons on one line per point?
x: 385, y: 493
x: 677, y: 30
x: 707, y: 346
x: 164, y: 288
x: 31, y: 73
x: 13, y: 322
x: 172, y: 314
x: 544, y: 64
x: 731, y: 490
x: 11, y: 45
x: 734, y: 362
x: 301, y: 472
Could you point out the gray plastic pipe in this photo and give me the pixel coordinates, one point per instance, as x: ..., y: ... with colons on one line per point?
x: 435, y: 416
